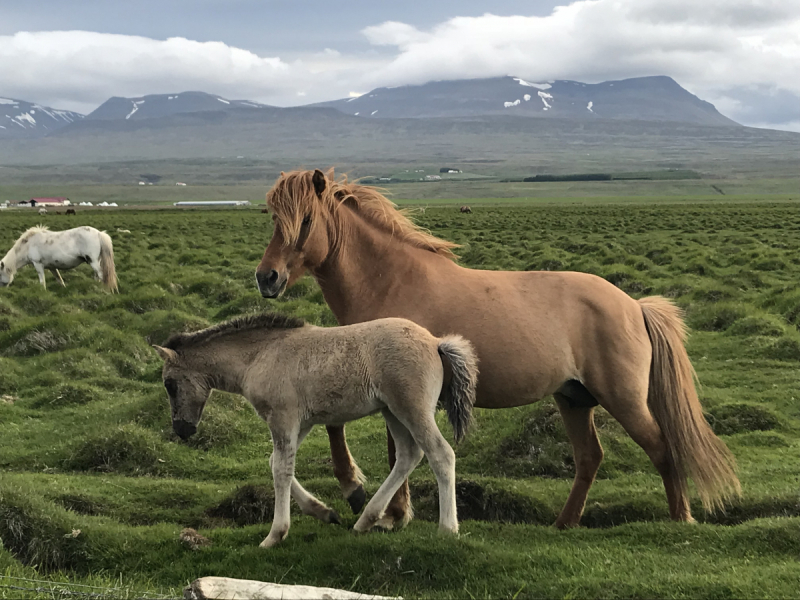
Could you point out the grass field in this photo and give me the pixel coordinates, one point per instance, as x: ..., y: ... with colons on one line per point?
x: 95, y: 488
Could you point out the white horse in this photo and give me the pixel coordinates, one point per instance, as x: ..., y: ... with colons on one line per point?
x: 55, y: 250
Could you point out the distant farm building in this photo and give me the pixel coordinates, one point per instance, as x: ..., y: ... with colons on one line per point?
x: 213, y: 203
x: 180, y: 183
x: 55, y: 201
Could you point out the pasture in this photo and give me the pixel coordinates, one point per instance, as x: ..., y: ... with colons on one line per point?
x: 95, y: 487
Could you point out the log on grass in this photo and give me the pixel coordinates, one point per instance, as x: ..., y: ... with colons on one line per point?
x: 225, y: 588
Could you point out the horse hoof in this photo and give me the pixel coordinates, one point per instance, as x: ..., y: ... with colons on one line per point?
x: 356, y: 499
x: 333, y: 518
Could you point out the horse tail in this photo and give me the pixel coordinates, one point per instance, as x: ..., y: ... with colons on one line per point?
x: 461, y: 378
x: 107, y: 262
x: 692, y: 448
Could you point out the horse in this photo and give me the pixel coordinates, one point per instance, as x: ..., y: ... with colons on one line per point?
x: 55, y: 250
x: 42, y: 211
x: 70, y: 211
x: 537, y: 333
x: 465, y: 209
x: 297, y: 375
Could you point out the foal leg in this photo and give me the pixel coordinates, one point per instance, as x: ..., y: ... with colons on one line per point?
x: 284, y: 441
x: 409, y: 454
x: 350, y: 477
x: 579, y: 423
x: 399, y: 509
x: 442, y: 460
x: 308, y: 503
x: 57, y: 275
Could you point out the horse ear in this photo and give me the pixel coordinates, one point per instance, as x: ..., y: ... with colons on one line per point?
x: 320, y: 183
x: 165, y: 353
x: 283, y: 174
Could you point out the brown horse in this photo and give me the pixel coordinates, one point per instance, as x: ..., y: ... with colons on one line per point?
x: 573, y: 335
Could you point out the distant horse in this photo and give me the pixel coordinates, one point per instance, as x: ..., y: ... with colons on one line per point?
x: 42, y: 211
x: 264, y: 211
x: 297, y: 376
x: 573, y: 335
x: 465, y: 209
x: 55, y: 250
x: 70, y: 211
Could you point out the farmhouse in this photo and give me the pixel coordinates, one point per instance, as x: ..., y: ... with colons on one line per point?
x: 55, y: 201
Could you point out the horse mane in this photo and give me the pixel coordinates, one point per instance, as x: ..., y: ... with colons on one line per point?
x: 293, y: 197
x: 29, y: 233
x: 265, y: 321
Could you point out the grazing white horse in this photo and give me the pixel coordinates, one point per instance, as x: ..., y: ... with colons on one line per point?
x: 54, y: 250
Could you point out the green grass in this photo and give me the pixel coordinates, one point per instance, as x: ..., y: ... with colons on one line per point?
x: 86, y: 443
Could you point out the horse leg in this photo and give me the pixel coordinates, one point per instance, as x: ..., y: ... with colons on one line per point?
x: 284, y: 440
x: 40, y: 271
x: 350, y: 477
x: 408, y: 456
x: 579, y: 423
x: 621, y: 387
x: 98, y: 270
x: 308, y: 503
x: 640, y: 424
x: 57, y: 275
x: 399, y: 509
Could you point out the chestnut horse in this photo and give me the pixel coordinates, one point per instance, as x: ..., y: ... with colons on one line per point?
x: 573, y: 335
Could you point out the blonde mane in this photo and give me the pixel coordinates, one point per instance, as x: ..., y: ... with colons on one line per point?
x: 293, y: 197
x: 30, y: 233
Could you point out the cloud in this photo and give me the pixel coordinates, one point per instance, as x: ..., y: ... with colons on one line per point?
x: 78, y: 70
x: 741, y: 55
x: 715, y: 48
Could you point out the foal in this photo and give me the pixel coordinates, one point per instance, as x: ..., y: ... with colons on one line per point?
x: 296, y: 376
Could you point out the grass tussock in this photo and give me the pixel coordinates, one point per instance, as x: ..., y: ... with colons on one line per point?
x: 248, y: 505
x: 126, y: 449
x: 739, y: 417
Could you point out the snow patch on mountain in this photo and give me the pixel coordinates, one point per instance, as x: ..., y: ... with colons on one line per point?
x: 540, y: 86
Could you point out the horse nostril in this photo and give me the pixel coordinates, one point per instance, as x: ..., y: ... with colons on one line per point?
x: 272, y: 278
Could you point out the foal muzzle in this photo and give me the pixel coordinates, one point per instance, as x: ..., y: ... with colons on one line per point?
x: 184, y: 429
x: 271, y: 284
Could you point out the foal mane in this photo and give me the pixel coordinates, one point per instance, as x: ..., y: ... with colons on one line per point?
x: 263, y: 321
x: 293, y: 197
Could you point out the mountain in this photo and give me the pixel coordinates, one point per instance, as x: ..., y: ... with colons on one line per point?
x: 642, y: 98
x: 24, y: 120
x: 163, y: 105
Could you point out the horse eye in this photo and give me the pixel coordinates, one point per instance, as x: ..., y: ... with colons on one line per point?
x: 307, y: 220
x: 172, y: 387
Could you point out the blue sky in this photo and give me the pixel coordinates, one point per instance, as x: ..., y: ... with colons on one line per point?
x: 742, y: 55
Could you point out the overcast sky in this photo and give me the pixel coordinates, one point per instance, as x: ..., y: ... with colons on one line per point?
x: 743, y: 56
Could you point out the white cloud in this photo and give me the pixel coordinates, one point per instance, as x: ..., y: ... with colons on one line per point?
x: 742, y: 55
x: 713, y: 48
x: 78, y: 70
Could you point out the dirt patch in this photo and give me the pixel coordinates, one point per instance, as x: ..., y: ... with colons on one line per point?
x: 476, y: 502
x: 248, y: 505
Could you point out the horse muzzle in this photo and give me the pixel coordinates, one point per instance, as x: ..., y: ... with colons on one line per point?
x: 271, y: 284
x: 184, y: 429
